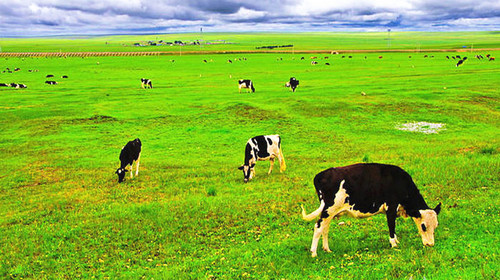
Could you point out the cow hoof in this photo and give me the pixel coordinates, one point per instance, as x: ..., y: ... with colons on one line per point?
x: 313, y: 254
x: 327, y: 250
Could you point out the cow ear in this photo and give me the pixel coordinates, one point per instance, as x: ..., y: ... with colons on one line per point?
x: 413, y: 213
x: 438, y: 208
x: 240, y: 168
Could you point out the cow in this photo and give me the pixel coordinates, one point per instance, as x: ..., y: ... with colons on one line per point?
x: 64, y: 76
x: 460, y: 62
x: 21, y: 86
x: 491, y: 58
x: 292, y: 84
x: 263, y: 147
x: 248, y: 84
x: 145, y: 83
x: 51, y: 82
x: 314, y: 62
x: 130, y: 152
x: 4, y: 85
x: 49, y: 76
x: 365, y: 189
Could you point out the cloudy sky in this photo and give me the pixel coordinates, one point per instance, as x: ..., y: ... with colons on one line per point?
x: 93, y: 17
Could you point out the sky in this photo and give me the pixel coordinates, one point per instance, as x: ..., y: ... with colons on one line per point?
x: 19, y: 18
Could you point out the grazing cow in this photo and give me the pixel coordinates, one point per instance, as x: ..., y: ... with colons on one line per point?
x: 51, y: 82
x: 4, y: 85
x: 447, y: 57
x: 264, y: 147
x: 229, y: 61
x: 363, y: 190
x: 460, y: 62
x: 64, y: 77
x: 314, y: 62
x: 49, y: 76
x: 248, y: 84
x: 380, y: 57
x: 129, y: 153
x: 491, y: 58
x: 14, y: 85
x: 327, y: 63
x: 21, y: 86
x: 145, y: 83
x: 292, y: 84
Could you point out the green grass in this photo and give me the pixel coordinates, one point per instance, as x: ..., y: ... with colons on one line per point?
x: 250, y: 41
x: 189, y: 215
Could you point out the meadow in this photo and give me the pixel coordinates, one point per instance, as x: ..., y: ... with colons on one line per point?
x: 189, y: 215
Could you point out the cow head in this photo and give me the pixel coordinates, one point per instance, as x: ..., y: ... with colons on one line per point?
x: 121, y: 174
x: 248, y: 172
x: 426, y: 221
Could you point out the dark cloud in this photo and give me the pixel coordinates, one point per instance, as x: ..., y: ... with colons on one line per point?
x: 56, y: 17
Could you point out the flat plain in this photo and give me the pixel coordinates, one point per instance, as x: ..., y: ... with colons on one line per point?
x: 188, y: 215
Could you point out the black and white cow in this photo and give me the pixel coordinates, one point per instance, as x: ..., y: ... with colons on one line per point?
x: 263, y: 147
x: 4, y: 85
x: 145, y: 83
x: 51, y: 82
x: 248, y: 84
x: 129, y: 153
x: 21, y: 86
x: 292, y: 84
x: 362, y: 190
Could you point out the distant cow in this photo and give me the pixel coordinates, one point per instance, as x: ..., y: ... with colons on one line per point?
x: 314, y: 62
x: 51, y: 82
x: 460, y: 62
x: 363, y: 190
x: 49, y: 76
x: 248, y: 84
x: 4, y: 85
x: 491, y: 58
x: 21, y: 86
x: 145, y: 83
x: 264, y: 147
x: 292, y: 84
x: 130, y: 152
x: 64, y: 77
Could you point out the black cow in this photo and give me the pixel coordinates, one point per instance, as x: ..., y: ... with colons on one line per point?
x: 4, y: 85
x: 248, y: 84
x: 263, y: 147
x: 51, y: 82
x: 145, y: 83
x: 64, y: 77
x: 292, y: 84
x: 362, y: 190
x: 49, y: 76
x: 129, y: 153
x: 460, y: 62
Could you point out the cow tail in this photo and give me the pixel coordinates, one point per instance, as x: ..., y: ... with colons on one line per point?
x: 282, y: 161
x: 316, y: 213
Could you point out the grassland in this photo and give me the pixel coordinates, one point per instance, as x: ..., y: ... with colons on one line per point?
x: 250, y: 41
x: 190, y: 216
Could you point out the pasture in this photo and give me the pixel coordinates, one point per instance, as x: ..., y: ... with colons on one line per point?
x: 188, y: 215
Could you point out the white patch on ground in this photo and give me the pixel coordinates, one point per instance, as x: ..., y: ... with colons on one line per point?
x: 422, y: 127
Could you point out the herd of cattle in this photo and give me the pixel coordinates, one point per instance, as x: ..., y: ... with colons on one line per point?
x: 17, y: 85
x: 360, y: 190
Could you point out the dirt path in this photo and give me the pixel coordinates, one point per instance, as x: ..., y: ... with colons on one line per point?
x: 87, y: 54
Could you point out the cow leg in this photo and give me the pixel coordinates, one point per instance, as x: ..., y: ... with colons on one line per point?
x: 131, y: 169
x: 321, y: 229
x: 137, y: 165
x: 391, y: 215
x: 326, y: 248
x: 271, y: 160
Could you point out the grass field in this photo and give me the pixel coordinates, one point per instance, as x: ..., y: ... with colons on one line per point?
x: 188, y: 215
x: 250, y: 41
